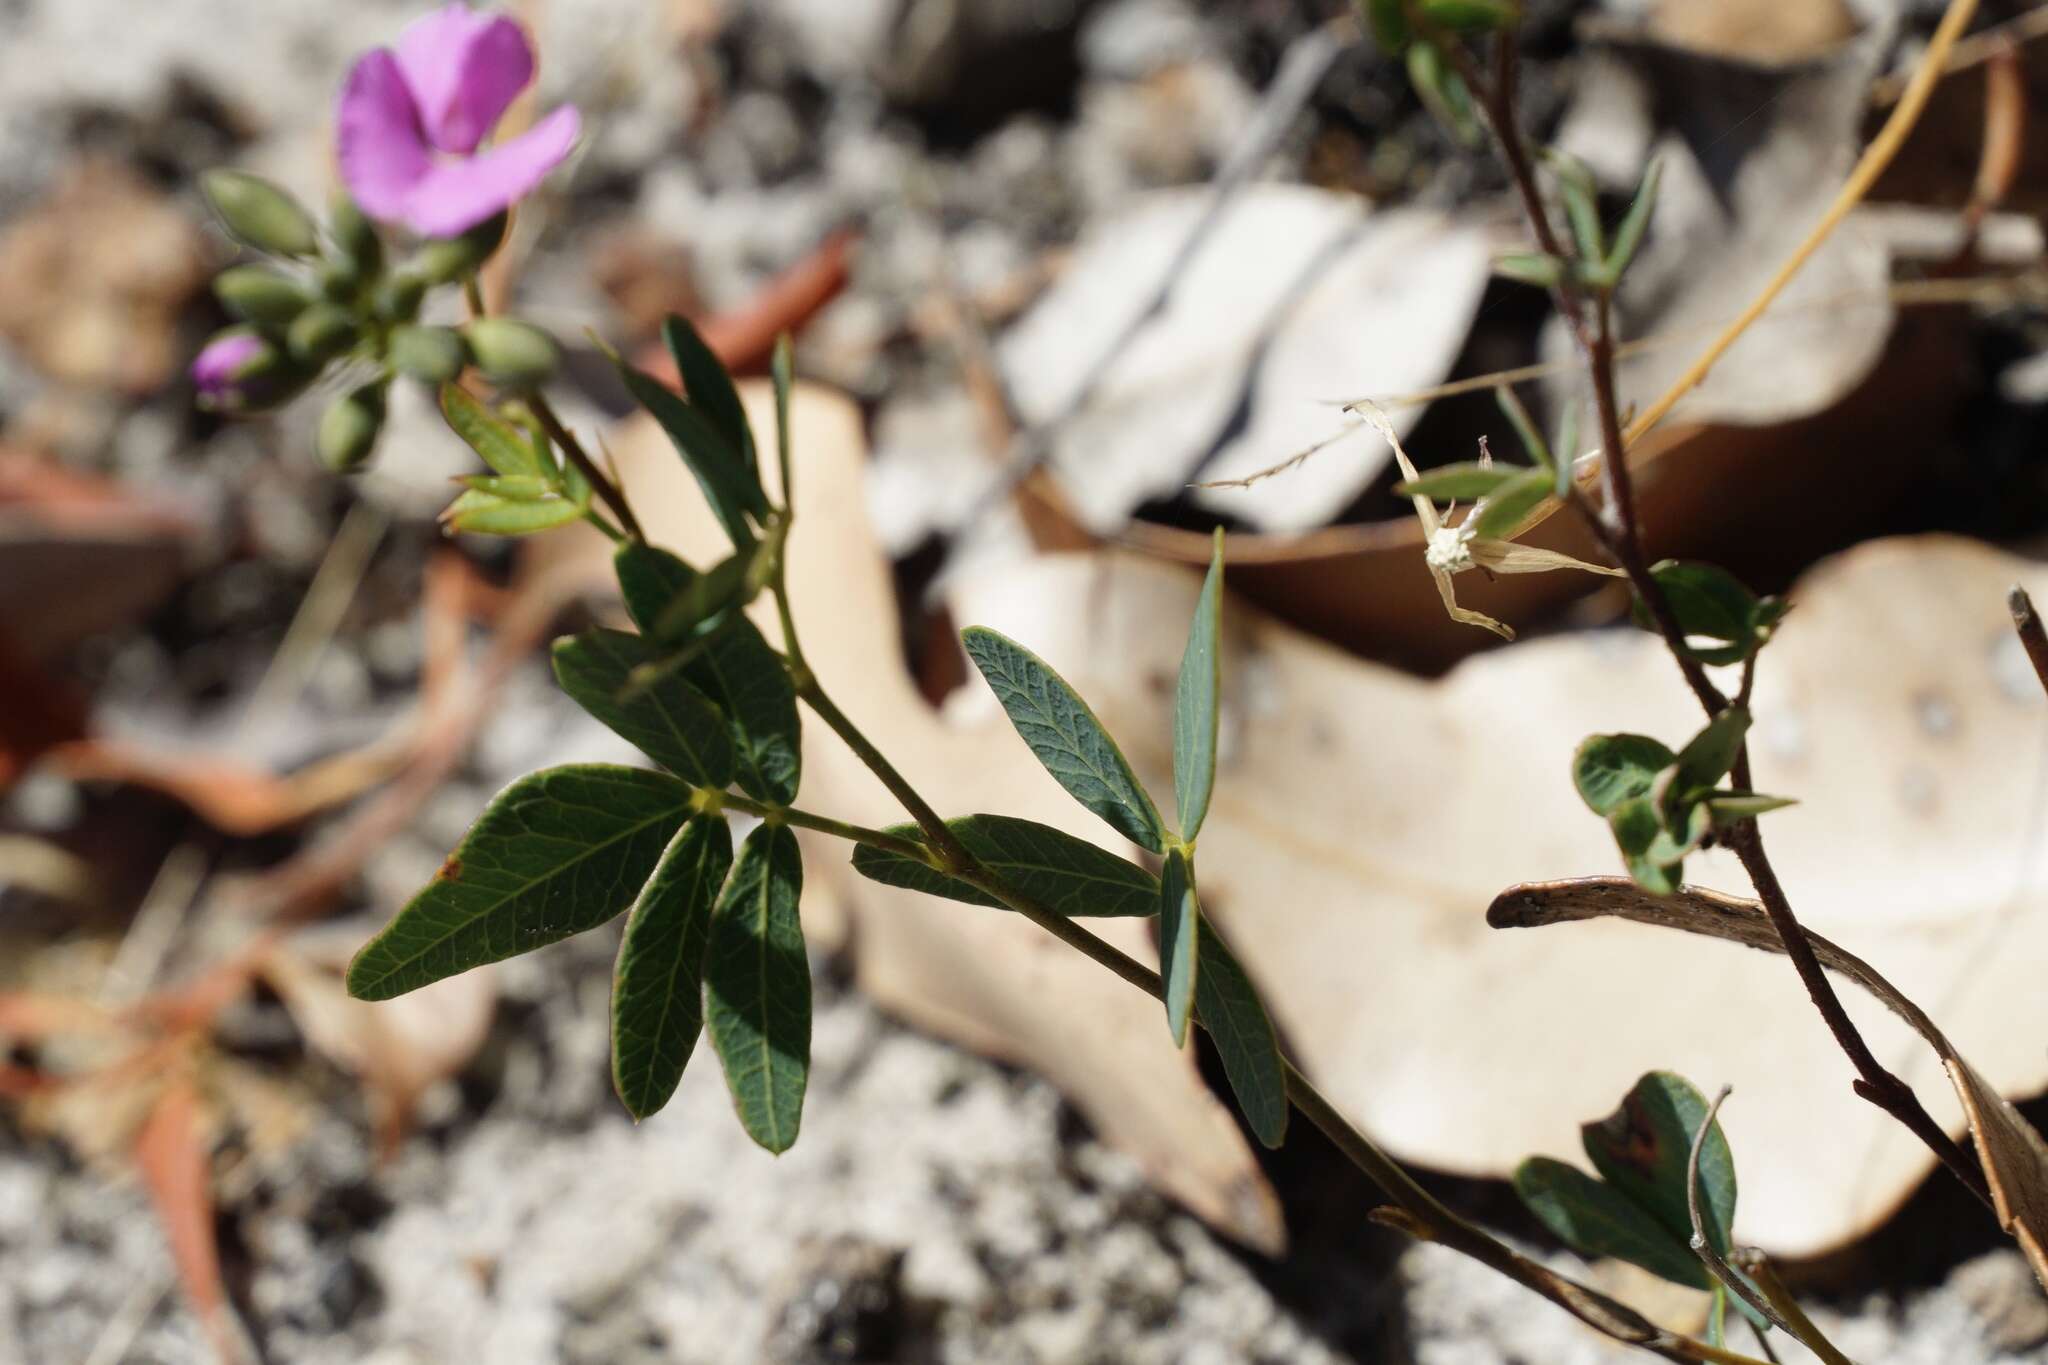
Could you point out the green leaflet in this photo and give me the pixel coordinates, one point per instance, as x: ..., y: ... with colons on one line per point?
x: 658, y: 984
x: 557, y: 852
x: 1642, y: 1149
x: 1467, y: 482
x: 1596, y: 1219
x: 669, y: 721
x: 737, y: 670
x: 757, y: 988
x: 1509, y: 505
x: 1611, y: 769
x: 1228, y: 1005
x: 710, y: 389
x: 488, y: 514
x: 1068, y: 876
x: 1065, y: 736
x: 496, y: 441
x: 1196, y: 709
x: 1180, y: 919
x: 730, y: 486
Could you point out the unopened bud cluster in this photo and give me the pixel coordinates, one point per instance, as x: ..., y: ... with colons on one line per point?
x: 332, y: 299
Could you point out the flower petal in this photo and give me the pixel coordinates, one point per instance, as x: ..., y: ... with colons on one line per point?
x: 1465, y: 615
x: 455, y: 196
x: 464, y: 69
x: 383, y: 153
x: 1425, y: 510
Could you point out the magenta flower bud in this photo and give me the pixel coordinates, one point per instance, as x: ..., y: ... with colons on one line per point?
x: 238, y: 371
x: 221, y: 365
x: 411, y: 121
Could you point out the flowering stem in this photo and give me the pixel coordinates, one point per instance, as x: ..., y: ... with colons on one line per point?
x: 565, y: 439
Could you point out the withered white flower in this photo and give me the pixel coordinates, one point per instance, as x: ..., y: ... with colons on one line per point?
x: 1451, y: 550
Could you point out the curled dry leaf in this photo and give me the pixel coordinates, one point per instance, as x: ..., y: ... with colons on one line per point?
x: 171, y: 1154
x: 2015, y: 1157
x: 988, y: 980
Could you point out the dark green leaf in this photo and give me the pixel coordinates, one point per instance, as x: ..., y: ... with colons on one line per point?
x: 1471, y: 16
x: 729, y: 485
x: 669, y: 721
x: 1709, y: 603
x: 1581, y: 206
x: 658, y: 985
x: 737, y: 670
x: 1595, y: 1219
x: 1509, y: 505
x: 1466, y: 482
x: 1065, y: 736
x: 707, y: 601
x: 1712, y: 752
x: 1629, y: 235
x: 1642, y: 1149
x: 1389, y: 23
x: 1611, y: 769
x: 1647, y: 849
x: 757, y: 988
x: 558, y: 852
x: 1180, y: 922
x: 710, y: 390
x: 1068, y: 876
x: 1196, y: 708
x: 1229, y: 1008
x: 496, y: 441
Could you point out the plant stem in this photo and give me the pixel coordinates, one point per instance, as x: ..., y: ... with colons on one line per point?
x: 597, y: 519
x: 712, y: 799
x: 1619, y: 530
x: 613, y: 496
x: 2027, y: 622
x: 952, y: 853
x: 1703, y: 1245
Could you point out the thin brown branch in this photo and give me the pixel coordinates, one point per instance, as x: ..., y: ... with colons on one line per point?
x: 614, y: 497
x: 2027, y: 622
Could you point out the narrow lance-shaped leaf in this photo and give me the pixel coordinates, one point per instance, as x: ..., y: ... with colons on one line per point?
x: 658, y: 984
x: 1596, y: 1219
x: 669, y: 721
x: 558, y: 852
x: 757, y: 988
x: 487, y: 514
x: 1180, y: 921
x: 1064, y: 735
x: 1197, y: 707
x: 728, y: 483
x: 783, y: 369
x: 1629, y: 236
x: 1468, y: 481
x: 1510, y: 504
x: 710, y: 388
x: 1512, y: 408
x: 1707, y: 758
x: 1229, y: 1007
x: 1068, y: 876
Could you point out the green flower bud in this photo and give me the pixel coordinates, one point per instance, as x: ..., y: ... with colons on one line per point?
x: 257, y: 293
x: 446, y: 259
x: 341, y: 279
x: 321, y: 333
x: 355, y: 234
x: 432, y: 355
x: 397, y: 297
x: 259, y: 213
x: 348, y: 429
x: 513, y: 353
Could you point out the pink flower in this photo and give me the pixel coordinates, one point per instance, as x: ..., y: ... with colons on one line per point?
x: 410, y: 122
x: 223, y: 363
